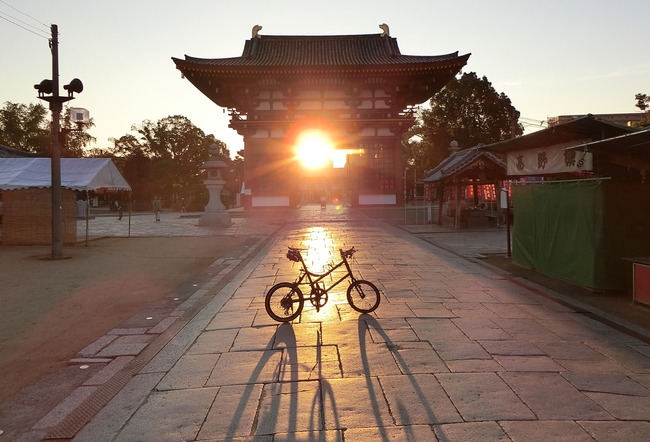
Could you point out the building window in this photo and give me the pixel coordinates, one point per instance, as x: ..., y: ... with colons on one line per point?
x: 378, y: 173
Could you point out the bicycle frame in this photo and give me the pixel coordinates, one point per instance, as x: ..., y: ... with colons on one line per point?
x: 313, y: 279
x: 285, y: 300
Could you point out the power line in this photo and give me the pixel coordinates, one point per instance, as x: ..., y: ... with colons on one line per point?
x: 22, y: 24
x: 25, y: 14
x: 23, y: 27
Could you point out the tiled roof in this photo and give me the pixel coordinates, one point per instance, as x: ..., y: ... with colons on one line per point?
x: 577, y: 130
x: 8, y: 152
x: 459, y: 160
x: 322, y: 51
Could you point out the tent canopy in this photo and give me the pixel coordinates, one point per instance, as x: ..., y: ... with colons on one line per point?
x: 76, y: 174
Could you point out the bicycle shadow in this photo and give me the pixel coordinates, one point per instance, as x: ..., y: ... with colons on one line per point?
x: 326, y: 392
x: 283, y: 339
x: 365, y: 323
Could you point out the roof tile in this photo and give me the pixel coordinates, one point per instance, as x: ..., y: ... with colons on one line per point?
x: 321, y: 51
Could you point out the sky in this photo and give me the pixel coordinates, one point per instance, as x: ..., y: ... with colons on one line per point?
x: 550, y: 58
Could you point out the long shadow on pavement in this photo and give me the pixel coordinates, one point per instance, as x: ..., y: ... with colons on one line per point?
x: 286, y: 338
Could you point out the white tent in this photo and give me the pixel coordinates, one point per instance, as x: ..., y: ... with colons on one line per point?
x: 76, y: 173
x: 84, y: 174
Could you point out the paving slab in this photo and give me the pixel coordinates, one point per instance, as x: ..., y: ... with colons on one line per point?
x: 528, y: 363
x: 214, y: 341
x: 620, y: 431
x: 418, y: 399
x: 170, y: 416
x: 356, y: 403
x: 289, y: 407
x: 233, y: 413
x: 550, y: 396
x: 543, y: 431
x: 246, y: 367
x: 471, y: 432
x: 484, y: 397
x: 191, y: 371
x: 405, y: 433
x: 418, y: 357
x: 607, y: 383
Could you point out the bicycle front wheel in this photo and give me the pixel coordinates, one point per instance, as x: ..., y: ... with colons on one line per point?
x: 284, y: 302
x: 363, y: 296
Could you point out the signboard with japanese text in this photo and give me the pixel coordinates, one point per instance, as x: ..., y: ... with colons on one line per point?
x: 549, y: 160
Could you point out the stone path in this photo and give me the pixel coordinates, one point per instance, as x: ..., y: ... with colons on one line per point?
x: 454, y: 352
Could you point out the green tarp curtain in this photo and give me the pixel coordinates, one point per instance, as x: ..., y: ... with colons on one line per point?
x: 581, y: 231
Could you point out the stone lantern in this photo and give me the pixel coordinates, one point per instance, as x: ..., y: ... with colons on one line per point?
x: 214, y: 214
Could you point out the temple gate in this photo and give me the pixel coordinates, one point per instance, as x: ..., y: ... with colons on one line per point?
x: 358, y: 90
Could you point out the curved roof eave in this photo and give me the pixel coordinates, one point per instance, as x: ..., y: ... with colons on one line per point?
x: 358, y: 69
x: 214, y: 66
x: 460, y: 160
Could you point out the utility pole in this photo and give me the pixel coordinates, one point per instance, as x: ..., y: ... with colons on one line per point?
x: 45, y: 88
x: 55, y: 106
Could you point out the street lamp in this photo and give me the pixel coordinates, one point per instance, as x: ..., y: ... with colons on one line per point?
x: 45, y: 88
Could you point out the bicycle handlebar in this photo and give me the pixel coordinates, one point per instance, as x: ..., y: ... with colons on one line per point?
x: 294, y: 253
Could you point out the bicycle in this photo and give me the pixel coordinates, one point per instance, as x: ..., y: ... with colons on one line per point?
x: 285, y: 301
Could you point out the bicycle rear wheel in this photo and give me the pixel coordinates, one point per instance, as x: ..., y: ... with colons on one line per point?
x: 284, y: 302
x: 363, y: 296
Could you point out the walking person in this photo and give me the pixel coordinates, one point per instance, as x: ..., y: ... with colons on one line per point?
x: 157, y: 207
x: 118, y: 207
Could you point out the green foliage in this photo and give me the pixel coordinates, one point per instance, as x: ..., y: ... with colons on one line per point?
x: 468, y: 110
x: 164, y: 158
x: 643, y: 103
x: 24, y: 127
x: 161, y: 157
x: 76, y: 136
x: 27, y: 127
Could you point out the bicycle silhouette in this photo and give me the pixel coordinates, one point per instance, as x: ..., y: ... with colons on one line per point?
x: 285, y: 301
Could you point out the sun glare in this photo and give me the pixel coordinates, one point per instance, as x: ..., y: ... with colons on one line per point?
x: 314, y: 149
x: 320, y: 246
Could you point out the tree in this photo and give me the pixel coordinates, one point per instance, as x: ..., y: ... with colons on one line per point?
x: 468, y: 110
x: 27, y: 127
x: 164, y: 158
x: 643, y: 103
x: 75, y: 137
x: 24, y: 127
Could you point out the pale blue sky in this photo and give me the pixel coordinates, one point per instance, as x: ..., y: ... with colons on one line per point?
x: 551, y: 58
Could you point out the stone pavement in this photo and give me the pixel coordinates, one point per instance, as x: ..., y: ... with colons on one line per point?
x: 455, y: 352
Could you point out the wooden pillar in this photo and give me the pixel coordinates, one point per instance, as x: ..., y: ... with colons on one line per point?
x: 441, y: 199
x: 458, y: 209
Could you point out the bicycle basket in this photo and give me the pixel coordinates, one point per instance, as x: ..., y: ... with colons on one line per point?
x: 293, y: 255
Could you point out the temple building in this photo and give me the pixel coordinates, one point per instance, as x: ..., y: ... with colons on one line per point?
x: 357, y: 92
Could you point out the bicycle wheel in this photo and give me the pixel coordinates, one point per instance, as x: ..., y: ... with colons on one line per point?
x: 363, y: 296
x: 284, y: 302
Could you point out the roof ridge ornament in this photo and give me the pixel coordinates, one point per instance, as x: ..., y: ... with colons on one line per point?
x: 385, y: 29
x: 256, y: 30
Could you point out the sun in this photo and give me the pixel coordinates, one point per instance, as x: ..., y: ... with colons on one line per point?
x: 314, y: 149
